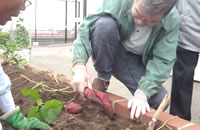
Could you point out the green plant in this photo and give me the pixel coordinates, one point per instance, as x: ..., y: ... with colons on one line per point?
x: 20, y: 38
x: 47, y: 112
x: 13, y: 42
x: 4, y: 37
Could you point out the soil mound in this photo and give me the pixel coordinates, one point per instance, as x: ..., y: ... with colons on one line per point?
x: 91, y: 118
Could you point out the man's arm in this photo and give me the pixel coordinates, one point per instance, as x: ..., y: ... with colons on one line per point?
x: 159, y: 67
x: 81, y: 46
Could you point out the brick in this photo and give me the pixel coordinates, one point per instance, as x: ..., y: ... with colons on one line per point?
x: 148, y: 116
x: 113, y: 97
x: 119, y: 105
x: 192, y: 127
x: 174, y: 122
x: 121, y: 109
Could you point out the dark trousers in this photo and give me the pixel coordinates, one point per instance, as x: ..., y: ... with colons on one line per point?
x: 110, y: 58
x: 182, y: 83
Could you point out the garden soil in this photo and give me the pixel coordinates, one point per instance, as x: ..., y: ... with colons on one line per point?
x: 91, y: 118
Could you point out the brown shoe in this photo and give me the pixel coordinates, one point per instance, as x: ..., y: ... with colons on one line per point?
x: 100, y: 85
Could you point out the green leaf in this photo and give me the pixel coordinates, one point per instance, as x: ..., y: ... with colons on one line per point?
x: 21, y: 66
x: 22, y: 63
x: 34, y: 112
x: 54, y: 103
x: 51, y: 110
x: 33, y: 93
x: 39, y: 101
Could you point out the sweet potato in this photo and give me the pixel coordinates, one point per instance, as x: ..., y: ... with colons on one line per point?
x: 73, y: 108
x: 91, y: 96
x: 99, y: 97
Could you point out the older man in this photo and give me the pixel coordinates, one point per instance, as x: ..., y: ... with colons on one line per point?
x: 11, y: 113
x: 135, y: 41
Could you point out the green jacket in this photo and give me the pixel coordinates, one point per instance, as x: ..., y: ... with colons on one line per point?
x: 159, y: 53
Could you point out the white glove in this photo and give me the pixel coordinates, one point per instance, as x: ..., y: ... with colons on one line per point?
x: 81, y: 79
x: 138, y: 104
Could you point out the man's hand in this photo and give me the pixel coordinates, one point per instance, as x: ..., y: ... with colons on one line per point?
x: 81, y: 79
x: 138, y: 104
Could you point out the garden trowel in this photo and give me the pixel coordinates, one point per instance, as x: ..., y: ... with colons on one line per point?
x: 160, y: 109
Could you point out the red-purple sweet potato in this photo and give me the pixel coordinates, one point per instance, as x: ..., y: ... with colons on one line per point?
x: 100, y: 97
x: 73, y: 108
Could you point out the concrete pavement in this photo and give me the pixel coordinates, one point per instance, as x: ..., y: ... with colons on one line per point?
x: 59, y: 59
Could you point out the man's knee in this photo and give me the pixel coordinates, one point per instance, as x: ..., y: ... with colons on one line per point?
x: 105, y: 24
x: 104, y: 33
x: 155, y: 100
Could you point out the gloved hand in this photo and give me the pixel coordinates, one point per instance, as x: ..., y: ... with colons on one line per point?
x: 81, y: 79
x: 16, y: 120
x: 138, y: 104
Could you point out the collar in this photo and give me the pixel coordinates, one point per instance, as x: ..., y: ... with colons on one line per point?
x: 171, y: 20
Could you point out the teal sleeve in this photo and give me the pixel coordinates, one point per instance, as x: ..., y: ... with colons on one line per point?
x: 82, y: 46
x: 159, y: 66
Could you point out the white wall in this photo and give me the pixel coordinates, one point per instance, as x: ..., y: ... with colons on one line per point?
x: 51, y: 14
x: 93, y: 5
x: 197, y: 71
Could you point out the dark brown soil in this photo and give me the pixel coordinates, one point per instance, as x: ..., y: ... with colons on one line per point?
x: 91, y: 118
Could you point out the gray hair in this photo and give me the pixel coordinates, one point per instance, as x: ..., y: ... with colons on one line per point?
x: 157, y: 6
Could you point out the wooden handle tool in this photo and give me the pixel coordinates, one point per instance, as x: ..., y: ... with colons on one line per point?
x: 160, y: 109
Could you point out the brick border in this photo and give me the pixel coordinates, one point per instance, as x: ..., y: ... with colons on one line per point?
x: 175, y: 123
x: 119, y: 105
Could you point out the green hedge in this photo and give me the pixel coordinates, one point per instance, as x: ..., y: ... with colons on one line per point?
x: 4, y: 37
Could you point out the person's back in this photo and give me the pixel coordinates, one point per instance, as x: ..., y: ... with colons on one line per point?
x: 187, y: 58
